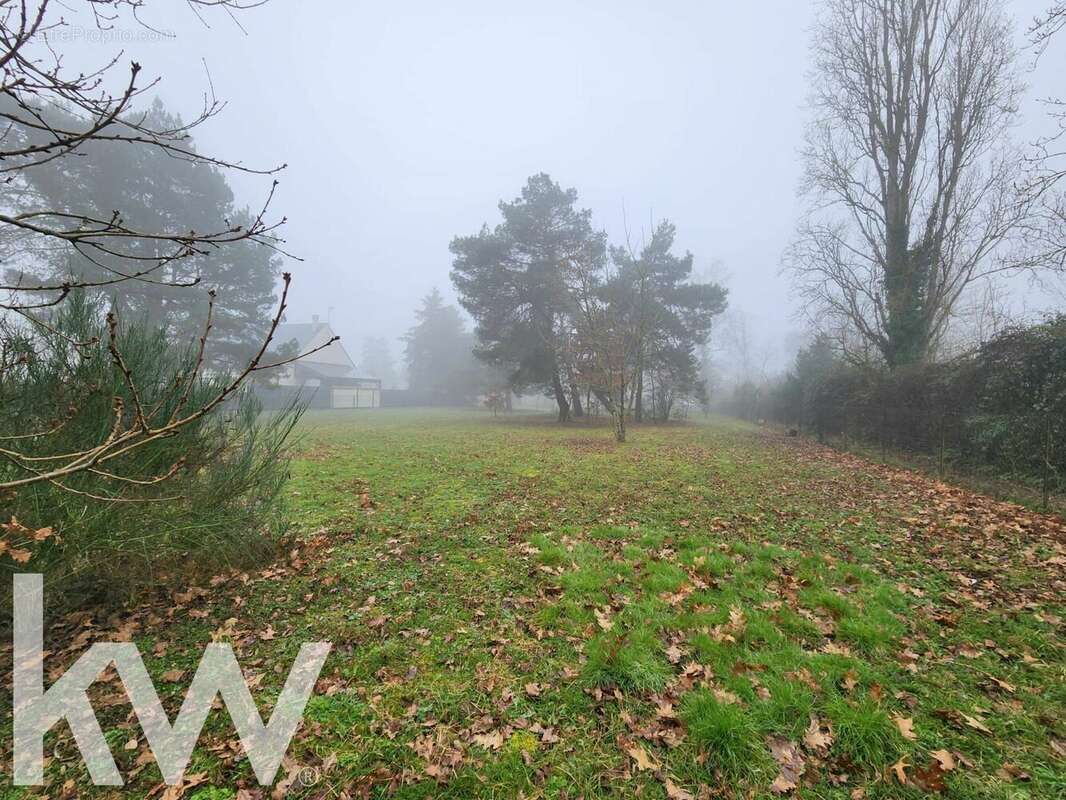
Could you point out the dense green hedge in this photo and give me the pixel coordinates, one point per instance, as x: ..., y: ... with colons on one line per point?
x: 1000, y: 408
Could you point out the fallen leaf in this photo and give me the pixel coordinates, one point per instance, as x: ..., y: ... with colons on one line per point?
x: 975, y: 723
x: 900, y: 769
x: 945, y: 759
x: 817, y: 739
x: 906, y: 727
x: 177, y: 791
x: 675, y: 792
x: 1012, y: 773
x: 490, y: 741
x: 603, y: 620
x: 790, y: 764
x: 929, y: 778
x: 641, y: 757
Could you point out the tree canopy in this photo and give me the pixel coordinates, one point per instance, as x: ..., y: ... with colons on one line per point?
x: 439, y: 354
x: 169, y: 195
x: 512, y: 279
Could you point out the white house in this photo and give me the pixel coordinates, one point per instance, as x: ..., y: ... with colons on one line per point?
x: 328, y: 376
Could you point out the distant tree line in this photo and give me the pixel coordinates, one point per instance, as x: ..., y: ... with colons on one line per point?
x: 558, y: 311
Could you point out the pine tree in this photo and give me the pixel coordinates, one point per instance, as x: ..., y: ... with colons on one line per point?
x: 439, y: 354
x: 157, y: 191
x: 513, y: 280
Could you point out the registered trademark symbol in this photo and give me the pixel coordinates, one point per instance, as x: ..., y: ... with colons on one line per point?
x: 308, y: 776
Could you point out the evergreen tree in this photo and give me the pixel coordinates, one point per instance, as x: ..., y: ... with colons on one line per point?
x: 670, y: 316
x: 159, y: 192
x: 513, y: 281
x: 439, y: 354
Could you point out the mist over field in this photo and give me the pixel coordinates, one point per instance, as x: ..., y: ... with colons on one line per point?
x: 687, y: 111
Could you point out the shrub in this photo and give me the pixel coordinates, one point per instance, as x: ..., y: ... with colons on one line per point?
x: 999, y: 409
x: 218, y: 508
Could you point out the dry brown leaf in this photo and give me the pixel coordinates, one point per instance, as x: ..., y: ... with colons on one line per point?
x: 641, y: 757
x: 850, y: 681
x: 177, y: 791
x: 906, y: 727
x: 817, y: 739
x: 790, y: 764
x: 490, y: 741
x: 1010, y: 772
x: 603, y: 620
x: 675, y: 792
x: 900, y: 769
x: 945, y: 759
x: 975, y: 723
x: 726, y: 697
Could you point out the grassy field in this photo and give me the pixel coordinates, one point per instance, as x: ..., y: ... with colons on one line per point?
x: 521, y: 609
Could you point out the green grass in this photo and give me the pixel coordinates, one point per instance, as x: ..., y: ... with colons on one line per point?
x: 724, y: 733
x: 513, y: 604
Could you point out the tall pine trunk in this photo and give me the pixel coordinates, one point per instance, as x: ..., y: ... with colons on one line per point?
x: 560, y: 397
x: 638, y: 411
x: 620, y: 416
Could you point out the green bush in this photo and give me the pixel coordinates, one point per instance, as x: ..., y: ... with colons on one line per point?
x: 220, y: 507
x: 999, y: 409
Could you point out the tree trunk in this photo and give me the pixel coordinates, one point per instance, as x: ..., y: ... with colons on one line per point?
x: 620, y: 417
x: 575, y: 401
x: 638, y: 411
x: 560, y: 398
x: 906, y: 276
x: 605, y: 400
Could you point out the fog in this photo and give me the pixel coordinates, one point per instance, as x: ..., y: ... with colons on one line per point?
x: 403, y: 125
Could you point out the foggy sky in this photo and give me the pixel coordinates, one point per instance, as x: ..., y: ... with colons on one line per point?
x: 404, y: 123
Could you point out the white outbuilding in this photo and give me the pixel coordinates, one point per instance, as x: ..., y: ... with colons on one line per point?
x: 327, y: 377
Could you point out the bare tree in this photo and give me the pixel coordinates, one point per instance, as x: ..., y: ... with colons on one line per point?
x: 604, y: 335
x: 1045, y: 240
x: 1048, y: 24
x: 33, y: 82
x: 910, y: 172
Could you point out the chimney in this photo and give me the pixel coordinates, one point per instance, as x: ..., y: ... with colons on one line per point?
x: 314, y: 319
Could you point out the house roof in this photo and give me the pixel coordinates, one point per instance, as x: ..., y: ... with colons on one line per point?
x: 302, y: 332
x: 306, y: 368
x: 309, y: 335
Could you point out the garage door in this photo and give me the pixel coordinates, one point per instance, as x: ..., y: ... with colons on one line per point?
x: 344, y: 398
